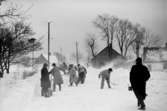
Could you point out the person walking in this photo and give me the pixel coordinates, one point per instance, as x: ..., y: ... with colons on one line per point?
x: 105, y: 76
x: 45, y: 81
x: 139, y: 75
x: 57, y: 77
x: 73, y: 76
x: 81, y: 74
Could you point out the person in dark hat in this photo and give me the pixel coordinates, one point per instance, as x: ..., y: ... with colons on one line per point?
x: 139, y: 75
x: 105, y: 75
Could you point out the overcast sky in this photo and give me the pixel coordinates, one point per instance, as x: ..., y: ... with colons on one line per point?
x: 72, y: 19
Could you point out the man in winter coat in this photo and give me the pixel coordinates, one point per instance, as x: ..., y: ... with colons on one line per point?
x: 105, y: 75
x: 81, y: 74
x: 139, y: 74
x: 57, y: 78
x: 73, y: 76
x: 45, y: 81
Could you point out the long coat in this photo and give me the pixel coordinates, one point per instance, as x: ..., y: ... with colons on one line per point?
x: 139, y: 74
x: 45, y: 81
x: 56, y: 75
x: 73, y: 76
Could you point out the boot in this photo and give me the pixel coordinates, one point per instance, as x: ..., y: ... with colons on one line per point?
x: 142, y: 105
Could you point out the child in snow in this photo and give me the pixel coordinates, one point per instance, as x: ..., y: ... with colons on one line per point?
x: 105, y: 75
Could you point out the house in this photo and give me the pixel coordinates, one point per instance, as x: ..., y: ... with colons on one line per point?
x: 103, y: 58
x: 41, y: 59
x: 156, y: 57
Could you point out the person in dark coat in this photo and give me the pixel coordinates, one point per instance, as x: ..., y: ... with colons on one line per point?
x: 105, y: 75
x: 81, y: 74
x: 45, y: 81
x: 139, y: 75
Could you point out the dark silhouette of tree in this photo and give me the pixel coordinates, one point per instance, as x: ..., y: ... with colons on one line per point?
x: 91, y: 45
x: 106, y: 25
x: 128, y: 35
x: 125, y: 35
x: 14, y: 42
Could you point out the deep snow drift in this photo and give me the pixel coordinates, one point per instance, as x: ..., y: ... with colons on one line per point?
x: 24, y: 95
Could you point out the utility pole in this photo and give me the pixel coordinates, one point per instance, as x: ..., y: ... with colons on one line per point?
x: 77, y: 60
x: 48, y: 44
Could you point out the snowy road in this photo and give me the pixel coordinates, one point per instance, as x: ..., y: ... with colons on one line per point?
x: 84, y: 98
x: 89, y: 97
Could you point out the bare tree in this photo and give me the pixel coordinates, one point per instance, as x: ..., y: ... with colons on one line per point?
x: 151, y: 40
x: 14, y: 42
x: 139, y: 41
x: 125, y: 36
x: 91, y: 44
x: 11, y: 13
x: 106, y: 25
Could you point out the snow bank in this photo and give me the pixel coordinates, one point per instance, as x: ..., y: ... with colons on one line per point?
x: 14, y: 91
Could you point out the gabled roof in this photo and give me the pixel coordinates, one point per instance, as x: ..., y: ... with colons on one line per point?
x: 104, y: 54
x: 102, y: 58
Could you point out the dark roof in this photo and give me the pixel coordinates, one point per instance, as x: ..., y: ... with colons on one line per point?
x: 102, y: 58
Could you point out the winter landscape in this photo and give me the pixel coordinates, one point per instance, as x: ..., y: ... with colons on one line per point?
x: 98, y: 35
x: 24, y: 95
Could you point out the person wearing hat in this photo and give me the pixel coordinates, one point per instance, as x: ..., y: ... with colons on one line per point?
x: 105, y: 76
x: 139, y: 75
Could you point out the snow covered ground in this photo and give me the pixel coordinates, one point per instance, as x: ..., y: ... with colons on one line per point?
x: 24, y: 95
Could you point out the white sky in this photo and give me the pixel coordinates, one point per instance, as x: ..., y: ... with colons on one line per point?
x: 72, y: 19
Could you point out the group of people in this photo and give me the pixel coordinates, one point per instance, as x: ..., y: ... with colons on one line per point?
x: 49, y: 79
x: 74, y: 79
x: 46, y: 79
x: 139, y: 75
